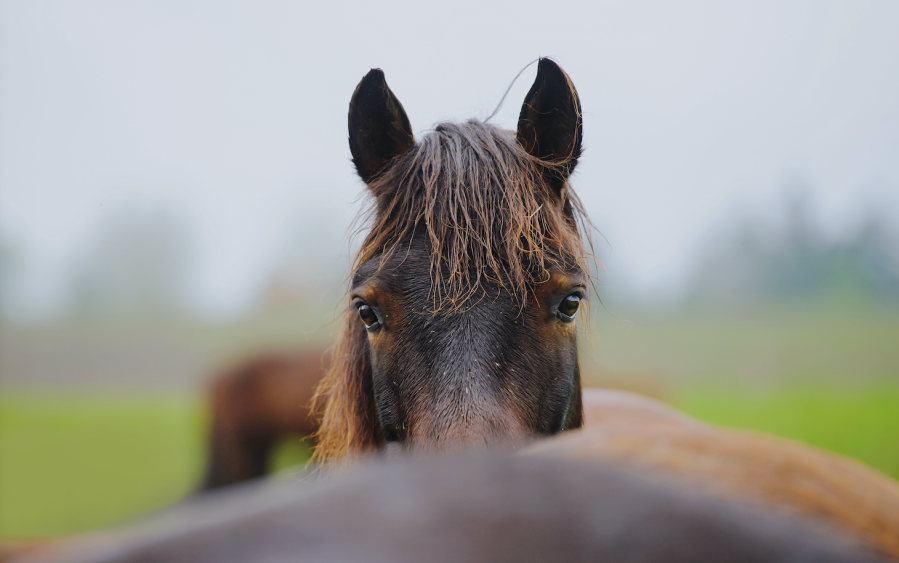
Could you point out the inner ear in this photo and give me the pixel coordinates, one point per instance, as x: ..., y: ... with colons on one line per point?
x: 550, y: 126
x: 379, y: 127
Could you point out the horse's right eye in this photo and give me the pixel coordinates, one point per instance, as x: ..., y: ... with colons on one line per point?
x: 368, y: 316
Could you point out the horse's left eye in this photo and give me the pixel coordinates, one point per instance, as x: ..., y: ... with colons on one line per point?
x: 569, y: 306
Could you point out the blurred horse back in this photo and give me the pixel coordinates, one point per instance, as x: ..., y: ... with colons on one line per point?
x: 475, y: 508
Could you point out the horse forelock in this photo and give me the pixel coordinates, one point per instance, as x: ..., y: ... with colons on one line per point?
x: 486, y: 210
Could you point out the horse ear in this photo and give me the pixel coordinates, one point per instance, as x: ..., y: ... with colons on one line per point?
x: 379, y: 127
x: 550, y: 127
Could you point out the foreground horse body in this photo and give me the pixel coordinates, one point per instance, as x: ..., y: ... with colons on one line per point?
x: 483, y: 508
x: 253, y: 406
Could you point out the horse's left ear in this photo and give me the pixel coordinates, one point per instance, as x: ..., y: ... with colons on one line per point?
x: 379, y: 127
x: 550, y: 127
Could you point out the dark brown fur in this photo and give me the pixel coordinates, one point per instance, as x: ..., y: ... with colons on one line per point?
x: 474, y: 240
x: 255, y: 405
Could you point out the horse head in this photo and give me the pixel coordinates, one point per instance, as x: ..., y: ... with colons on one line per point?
x: 460, y: 327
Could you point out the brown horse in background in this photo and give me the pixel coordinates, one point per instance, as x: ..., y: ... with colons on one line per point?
x: 460, y: 326
x: 255, y: 405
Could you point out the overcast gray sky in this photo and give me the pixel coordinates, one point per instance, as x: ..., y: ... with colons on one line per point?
x: 233, y: 114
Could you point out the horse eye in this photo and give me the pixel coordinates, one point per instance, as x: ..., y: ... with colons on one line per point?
x: 569, y: 306
x: 368, y: 316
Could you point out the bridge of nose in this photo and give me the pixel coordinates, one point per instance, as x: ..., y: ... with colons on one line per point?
x: 468, y: 407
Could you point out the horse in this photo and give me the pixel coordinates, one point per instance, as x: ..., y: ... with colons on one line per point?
x: 460, y: 327
x: 255, y: 405
x: 481, y: 507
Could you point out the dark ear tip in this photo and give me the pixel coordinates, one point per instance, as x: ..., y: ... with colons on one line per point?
x: 373, y: 77
x: 548, y: 66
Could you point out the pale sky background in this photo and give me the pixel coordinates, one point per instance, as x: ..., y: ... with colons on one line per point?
x: 233, y: 116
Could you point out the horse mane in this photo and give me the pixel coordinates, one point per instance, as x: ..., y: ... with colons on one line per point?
x: 492, y: 217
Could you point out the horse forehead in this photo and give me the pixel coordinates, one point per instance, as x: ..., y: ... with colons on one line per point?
x: 412, y: 263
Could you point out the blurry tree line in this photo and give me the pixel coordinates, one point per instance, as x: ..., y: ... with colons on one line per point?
x: 141, y: 266
x: 10, y: 269
x: 136, y: 266
x: 757, y: 261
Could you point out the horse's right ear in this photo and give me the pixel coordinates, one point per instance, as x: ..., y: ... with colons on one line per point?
x: 379, y: 127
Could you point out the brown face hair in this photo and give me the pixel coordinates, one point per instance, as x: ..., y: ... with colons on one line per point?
x: 460, y: 327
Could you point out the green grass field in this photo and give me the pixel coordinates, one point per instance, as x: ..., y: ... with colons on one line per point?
x: 860, y: 422
x: 76, y: 463
x: 79, y: 463
x: 73, y: 464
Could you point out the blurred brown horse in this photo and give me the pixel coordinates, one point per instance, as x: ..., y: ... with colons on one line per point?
x: 460, y: 326
x: 255, y: 405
